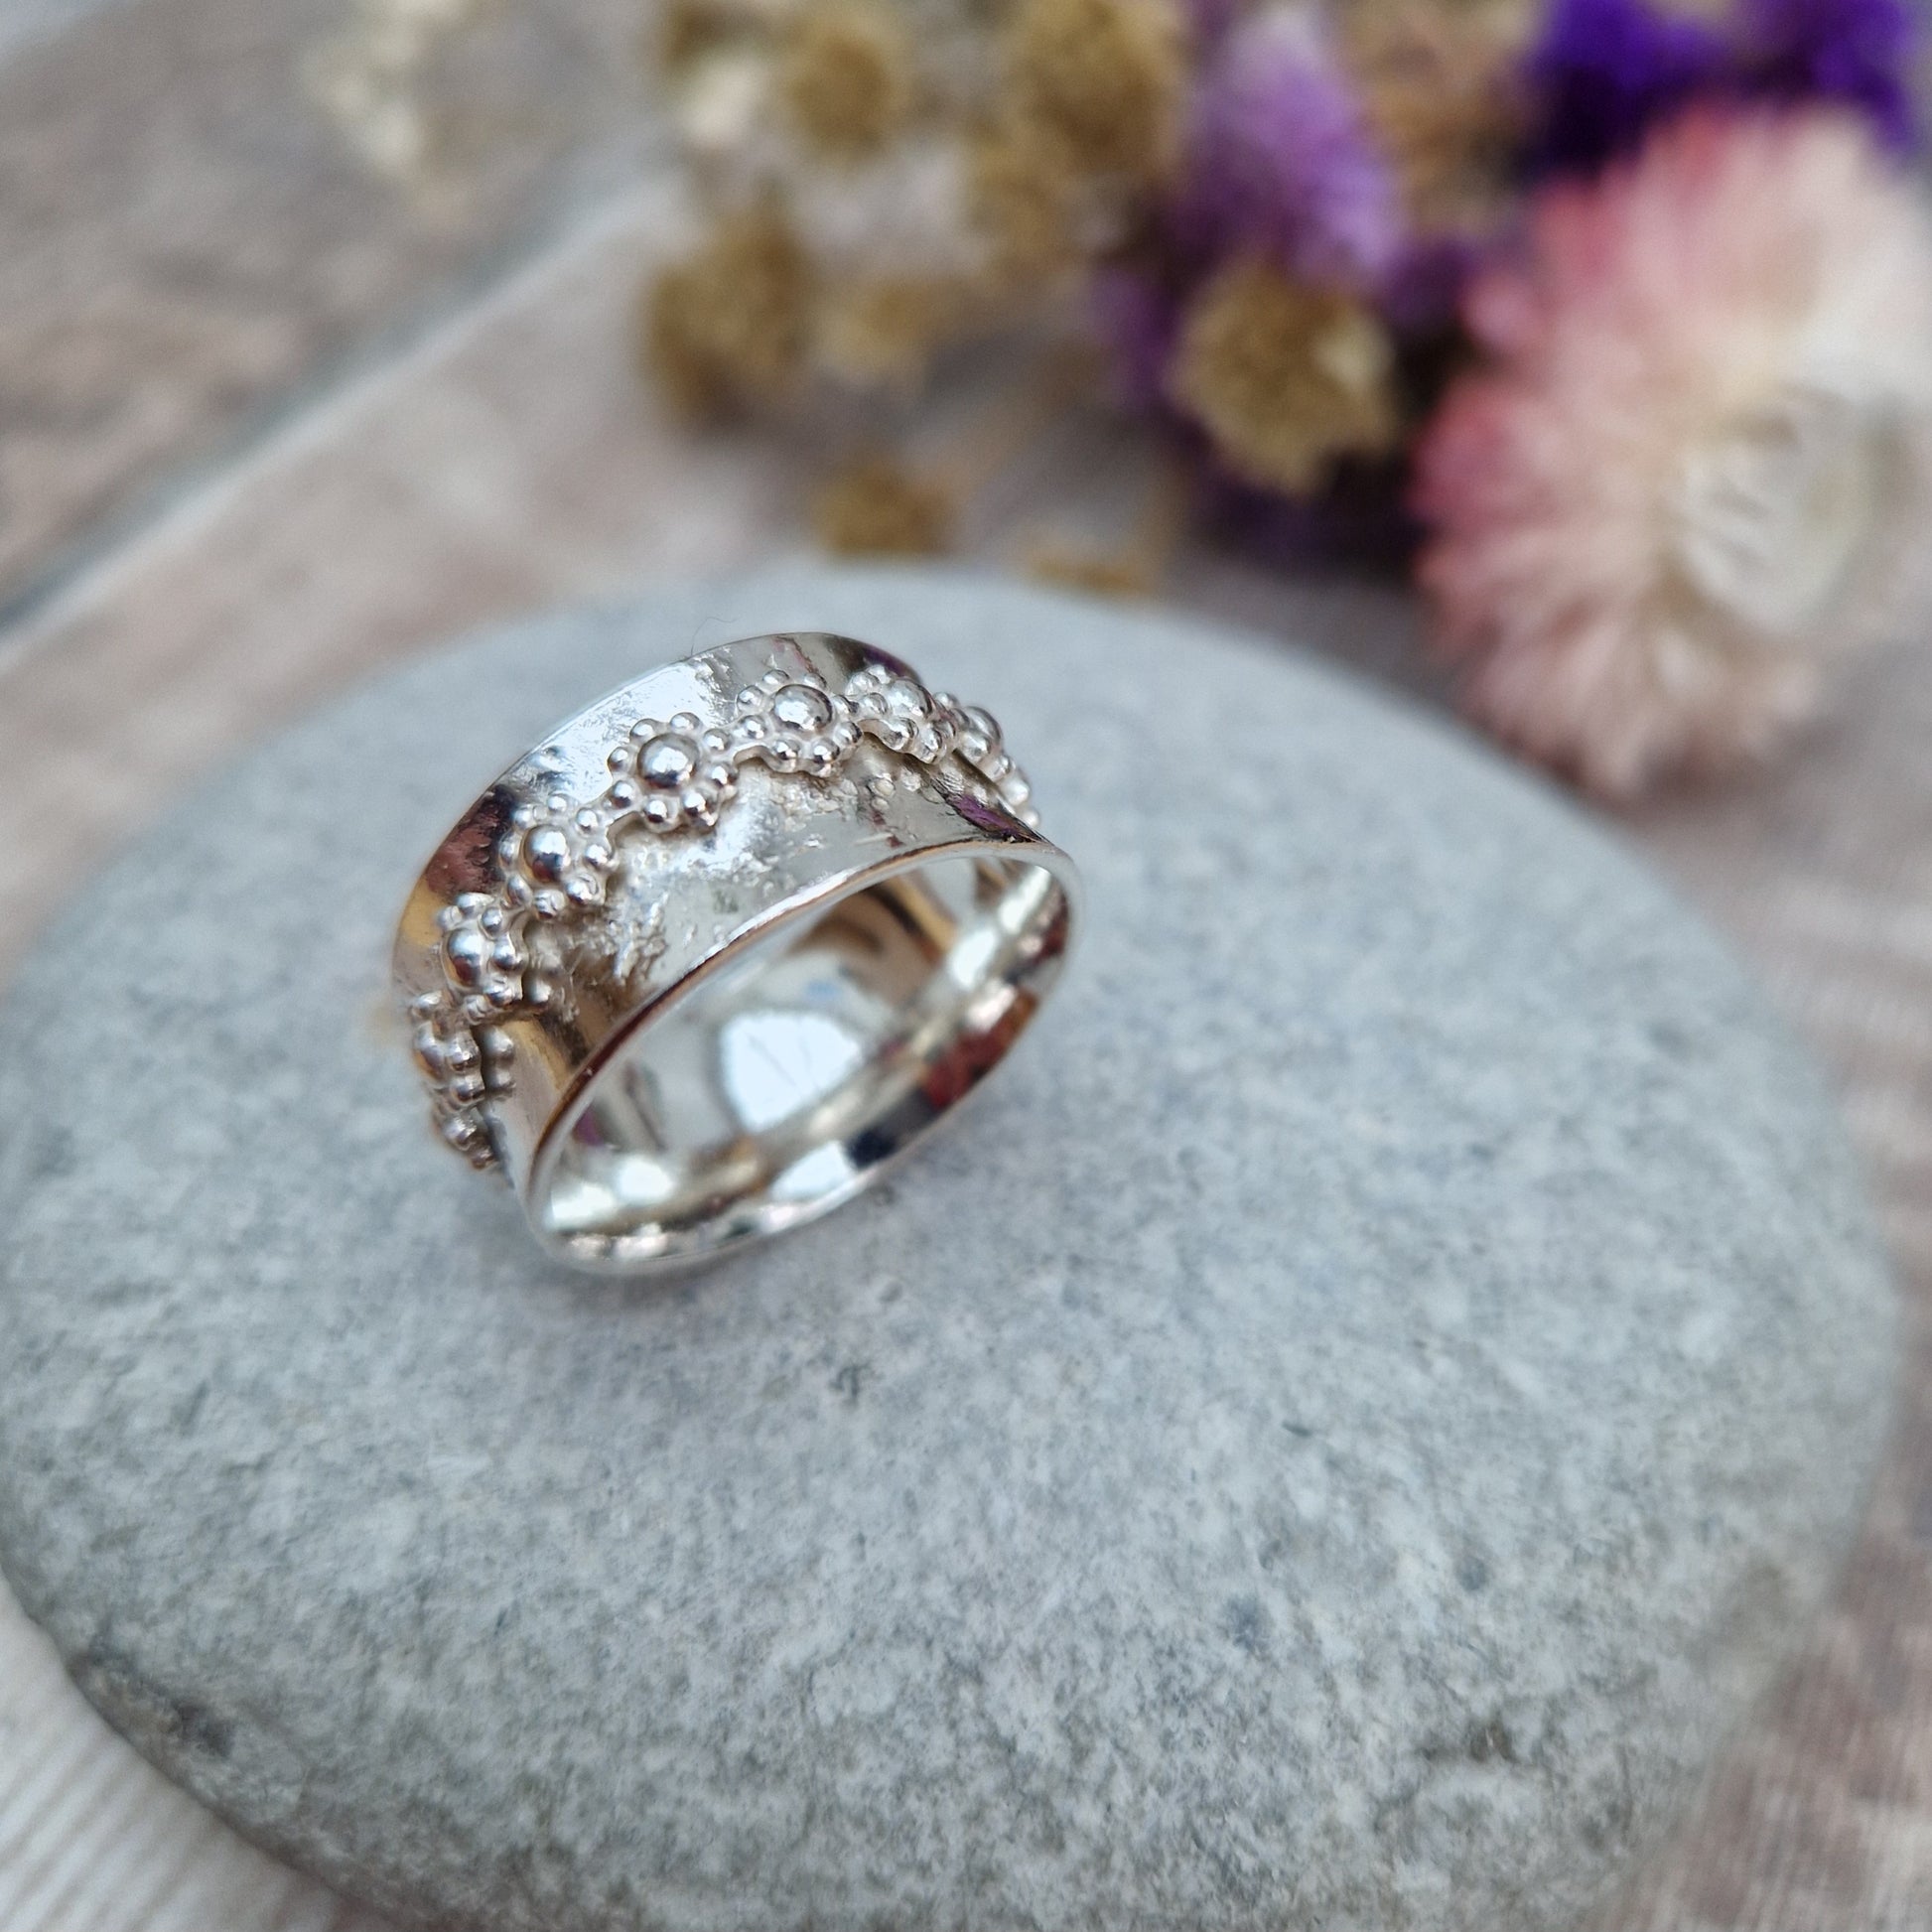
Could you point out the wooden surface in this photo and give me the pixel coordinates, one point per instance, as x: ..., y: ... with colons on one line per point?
x: 189, y: 248
x: 191, y: 571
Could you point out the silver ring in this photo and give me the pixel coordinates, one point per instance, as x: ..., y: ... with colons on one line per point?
x: 698, y: 967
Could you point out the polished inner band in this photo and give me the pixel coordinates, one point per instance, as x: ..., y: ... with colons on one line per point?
x: 770, y: 1087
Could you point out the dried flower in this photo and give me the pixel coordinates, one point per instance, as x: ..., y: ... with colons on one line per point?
x: 1604, y: 72
x: 878, y: 506
x: 1137, y: 322
x: 722, y: 118
x: 684, y: 32
x: 1859, y: 54
x: 1022, y: 200
x: 885, y: 333
x: 929, y: 193
x: 1701, y: 465
x: 1211, y: 21
x: 1280, y: 160
x: 1284, y: 377
x: 727, y: 327
x: 906, y: 213
x: 1103, y: 81
x: 1100, y: 573
x: 369, y: 78
x: 1441, y: 91
x: 847, y: 80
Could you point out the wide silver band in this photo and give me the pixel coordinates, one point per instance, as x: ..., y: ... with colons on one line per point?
x: 696, y: 968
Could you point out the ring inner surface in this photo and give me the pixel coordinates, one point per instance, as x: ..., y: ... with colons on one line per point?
x: 770, y: 1090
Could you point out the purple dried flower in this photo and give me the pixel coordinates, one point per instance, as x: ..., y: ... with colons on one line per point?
x: 1605, y: 71
x: 1856, y: 51
x: 1208, y: 21
x: 1361, y: 522
x: 1281, y: 159
x: 1423, y: 295
x: 1137, y: 320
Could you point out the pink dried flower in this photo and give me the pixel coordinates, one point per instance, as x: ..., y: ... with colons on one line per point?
x: 1699, y: 466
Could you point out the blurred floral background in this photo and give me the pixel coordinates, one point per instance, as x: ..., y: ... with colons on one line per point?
x: 1611, y: 320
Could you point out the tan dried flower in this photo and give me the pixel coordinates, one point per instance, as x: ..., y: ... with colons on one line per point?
x: 885, y: 333
x: 1285, y: 378
x: 847, y: 79
x: 1021, y: 199
x: 1103, y: 80
x: 727, y: 327
x: 1439, y: 89
x: 1100, y: 573
x: 681, y: 33
x: 878, y: 506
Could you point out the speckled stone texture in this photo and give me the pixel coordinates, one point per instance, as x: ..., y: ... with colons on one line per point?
x: 1333, y: 1438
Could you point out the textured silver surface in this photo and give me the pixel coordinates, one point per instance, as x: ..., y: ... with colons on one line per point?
x: 1355, y: 1484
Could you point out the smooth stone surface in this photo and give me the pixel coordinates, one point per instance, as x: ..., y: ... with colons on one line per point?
x: 1333, y: 1437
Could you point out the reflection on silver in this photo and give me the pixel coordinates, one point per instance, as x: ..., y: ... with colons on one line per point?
x: 850, y: 919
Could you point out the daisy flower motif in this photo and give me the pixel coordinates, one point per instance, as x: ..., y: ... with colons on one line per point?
x: 978, y: 744
x: 484, y: 958
x: 465, y: 1066
x: 556, y: 857
x: 898, y: 710
x: 669, y: 775
x: 1698, y: 468
x: 924, y: 726
x: 793, y: 723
